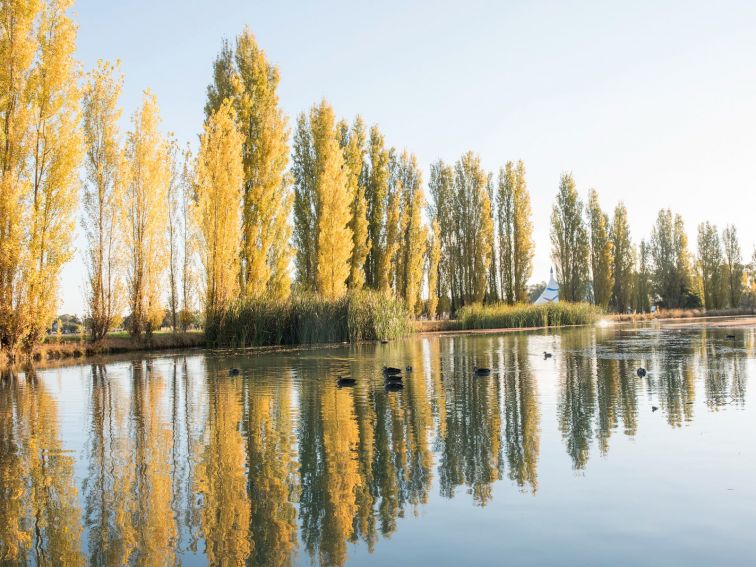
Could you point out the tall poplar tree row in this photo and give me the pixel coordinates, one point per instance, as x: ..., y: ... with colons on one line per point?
x: 623, y: 260
x: 173, y: 229
x: 187, y: 240
x: 569, y: 241
x: 245, y: 76
x: 376, y: 196
x: 102, y: 196
x: 670, y: 258
x: 642, y: 280
x: 322, y: 210
x: 148, y: 172
x: 413, y: 235
x: 353, y: 142
x: 305, y: 210
x: 493, y: 294
x: 441, y: 187
x: 41, y: 148
x: 473, y: 231
x: 434, y: 259
x: 733, y: 265
x: 220, y: 182
x: 710, y: 265
x: 601, y: 251
x: 515, y: 232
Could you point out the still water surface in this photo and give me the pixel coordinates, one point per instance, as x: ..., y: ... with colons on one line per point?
x: 563, y: 460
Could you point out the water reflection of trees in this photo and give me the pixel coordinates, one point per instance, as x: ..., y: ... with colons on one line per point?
x: 183, y: 459
x: 471, y: 452
x: 39, y: 510
x: 521, y: 413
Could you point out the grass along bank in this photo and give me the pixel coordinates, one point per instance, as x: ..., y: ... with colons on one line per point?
x: 681, y: 314
x: 359, y: 316
x: 520, y: 316
x: 71, y: 346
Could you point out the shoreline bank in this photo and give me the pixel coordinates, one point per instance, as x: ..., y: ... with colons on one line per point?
x: 75, y: 352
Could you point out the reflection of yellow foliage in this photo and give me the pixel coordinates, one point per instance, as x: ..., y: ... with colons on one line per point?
x: 340, y: 443
x: 221, y: 479
x: 156, y: 530
x: 269, y: 457
x: 14, y: 538
x: 110, y: 485
x: 44, y: 514
x: 521, y: 418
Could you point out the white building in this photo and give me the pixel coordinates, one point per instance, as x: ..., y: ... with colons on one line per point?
x: 551, y: 293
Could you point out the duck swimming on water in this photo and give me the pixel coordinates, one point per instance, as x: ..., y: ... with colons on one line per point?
x: 391, y: 370
x: 345, y: 381
x: 641, y: 372
x: 481, y: 371
x: 233, y: 372
x: 546, y: 354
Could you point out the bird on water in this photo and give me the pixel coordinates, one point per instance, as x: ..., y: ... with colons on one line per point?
x: 481, y: 371
x: 391, y: 370
x: 546, y: 354
x: 641, y: 372
x: 233, y: 372
x: 345, y: 381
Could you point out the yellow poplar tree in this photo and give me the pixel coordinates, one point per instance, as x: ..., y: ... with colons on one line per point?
x: 101, y: 196
x: 334, y: 237
x: 145, y: 216
x: 41, y: 148
x: 220, y: 178
x: 244, y: 75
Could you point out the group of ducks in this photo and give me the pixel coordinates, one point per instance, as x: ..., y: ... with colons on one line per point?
x: 392, y: 378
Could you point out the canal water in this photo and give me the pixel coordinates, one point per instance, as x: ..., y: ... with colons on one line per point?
x: 571, y: 459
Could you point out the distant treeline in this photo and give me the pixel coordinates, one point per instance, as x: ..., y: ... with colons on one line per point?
x: 260, y: 211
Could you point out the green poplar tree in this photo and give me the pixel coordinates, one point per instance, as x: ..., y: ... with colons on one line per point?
x: 569, y: 241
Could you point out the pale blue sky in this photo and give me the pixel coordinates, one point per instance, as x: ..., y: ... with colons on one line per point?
x: 653, y: 103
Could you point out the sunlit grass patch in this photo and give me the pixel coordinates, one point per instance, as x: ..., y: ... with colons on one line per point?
x: 504, y: 316
x: 309, y: 319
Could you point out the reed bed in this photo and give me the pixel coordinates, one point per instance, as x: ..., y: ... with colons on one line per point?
x: 503, y: 316
x: 359, y: 316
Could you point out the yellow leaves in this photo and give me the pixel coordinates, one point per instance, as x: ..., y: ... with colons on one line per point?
x: 102, y: 195
x: 334, y: 237
x: 41, y: 151
x: 266, y: 194
x: 145, y: 214
x: 220, y: 176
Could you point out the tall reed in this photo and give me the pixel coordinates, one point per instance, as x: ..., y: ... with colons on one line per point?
x: 503, y: 316
x: 309, y: 319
